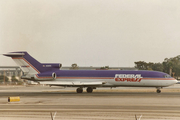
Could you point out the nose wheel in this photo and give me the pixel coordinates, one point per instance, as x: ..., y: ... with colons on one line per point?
x: 158, y: 91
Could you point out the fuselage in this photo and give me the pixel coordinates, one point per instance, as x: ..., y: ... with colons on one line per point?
x: 115, y: 78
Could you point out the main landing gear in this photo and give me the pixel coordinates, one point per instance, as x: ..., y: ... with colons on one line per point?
x: 89, y: 90
x: 80, y: 90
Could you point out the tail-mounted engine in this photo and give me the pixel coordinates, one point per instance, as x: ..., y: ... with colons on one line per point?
x: 51, y: 66
x: 45, y: 76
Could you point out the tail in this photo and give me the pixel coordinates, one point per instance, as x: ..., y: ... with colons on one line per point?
x: 29, y: 65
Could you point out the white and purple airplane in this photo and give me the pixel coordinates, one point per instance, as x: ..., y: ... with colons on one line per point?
x: 50, y: 74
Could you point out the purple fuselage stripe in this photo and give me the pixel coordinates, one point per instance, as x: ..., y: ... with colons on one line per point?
x: 101, y: 73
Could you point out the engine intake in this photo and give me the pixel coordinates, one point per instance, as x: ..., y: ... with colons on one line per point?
x: 54, y: 75
x: 45, y: 76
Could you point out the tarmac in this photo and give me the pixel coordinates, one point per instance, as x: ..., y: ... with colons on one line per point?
x: 123, y: 103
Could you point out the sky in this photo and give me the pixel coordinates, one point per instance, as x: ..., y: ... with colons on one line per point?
x: 113, y: 33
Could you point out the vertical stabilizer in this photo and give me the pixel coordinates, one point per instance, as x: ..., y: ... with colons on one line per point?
x: 27, y: 63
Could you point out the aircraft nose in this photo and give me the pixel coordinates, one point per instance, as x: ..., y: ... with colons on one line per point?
x: 177, y: 81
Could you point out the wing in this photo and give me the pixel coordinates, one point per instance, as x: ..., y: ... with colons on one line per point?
x: 73, y: 84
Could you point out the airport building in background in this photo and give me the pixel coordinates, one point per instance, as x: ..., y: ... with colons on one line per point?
x: 10, y: 71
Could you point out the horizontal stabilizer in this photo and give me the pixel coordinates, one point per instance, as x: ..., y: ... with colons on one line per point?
x: 13, y: 54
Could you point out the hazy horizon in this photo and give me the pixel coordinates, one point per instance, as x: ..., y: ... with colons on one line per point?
x: 90, y: 33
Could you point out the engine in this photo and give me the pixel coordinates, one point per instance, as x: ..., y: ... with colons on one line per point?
x: 52, y: 65
x: 45, y: 76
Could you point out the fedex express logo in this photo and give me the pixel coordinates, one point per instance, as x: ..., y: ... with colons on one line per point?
x: 128, y: 77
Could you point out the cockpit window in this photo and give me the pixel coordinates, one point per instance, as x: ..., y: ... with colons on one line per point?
x: 167, y: 76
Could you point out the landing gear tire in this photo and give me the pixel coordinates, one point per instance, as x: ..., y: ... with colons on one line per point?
x: 79, y: 90
x: 89, y: 90
x: 158, y: 91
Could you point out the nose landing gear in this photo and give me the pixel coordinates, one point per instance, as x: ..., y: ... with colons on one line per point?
x: 158, y: 90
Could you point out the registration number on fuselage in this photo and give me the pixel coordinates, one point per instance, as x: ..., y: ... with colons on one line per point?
x: 128, y: 77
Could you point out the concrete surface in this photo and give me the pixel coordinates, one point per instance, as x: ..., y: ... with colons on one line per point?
x: 36, y: 103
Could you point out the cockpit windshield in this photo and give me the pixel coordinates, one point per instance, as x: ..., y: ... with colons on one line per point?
x: 167, y: 76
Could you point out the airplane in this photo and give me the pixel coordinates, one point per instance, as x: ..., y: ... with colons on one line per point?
x: 51, y: 74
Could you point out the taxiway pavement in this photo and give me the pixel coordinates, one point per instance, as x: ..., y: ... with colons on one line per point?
x: 36, y: 103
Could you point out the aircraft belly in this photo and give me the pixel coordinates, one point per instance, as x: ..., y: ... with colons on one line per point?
x: 80, y: 80
x: 158, y: 83
x: 145, y: 83
x: 113, y: 83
